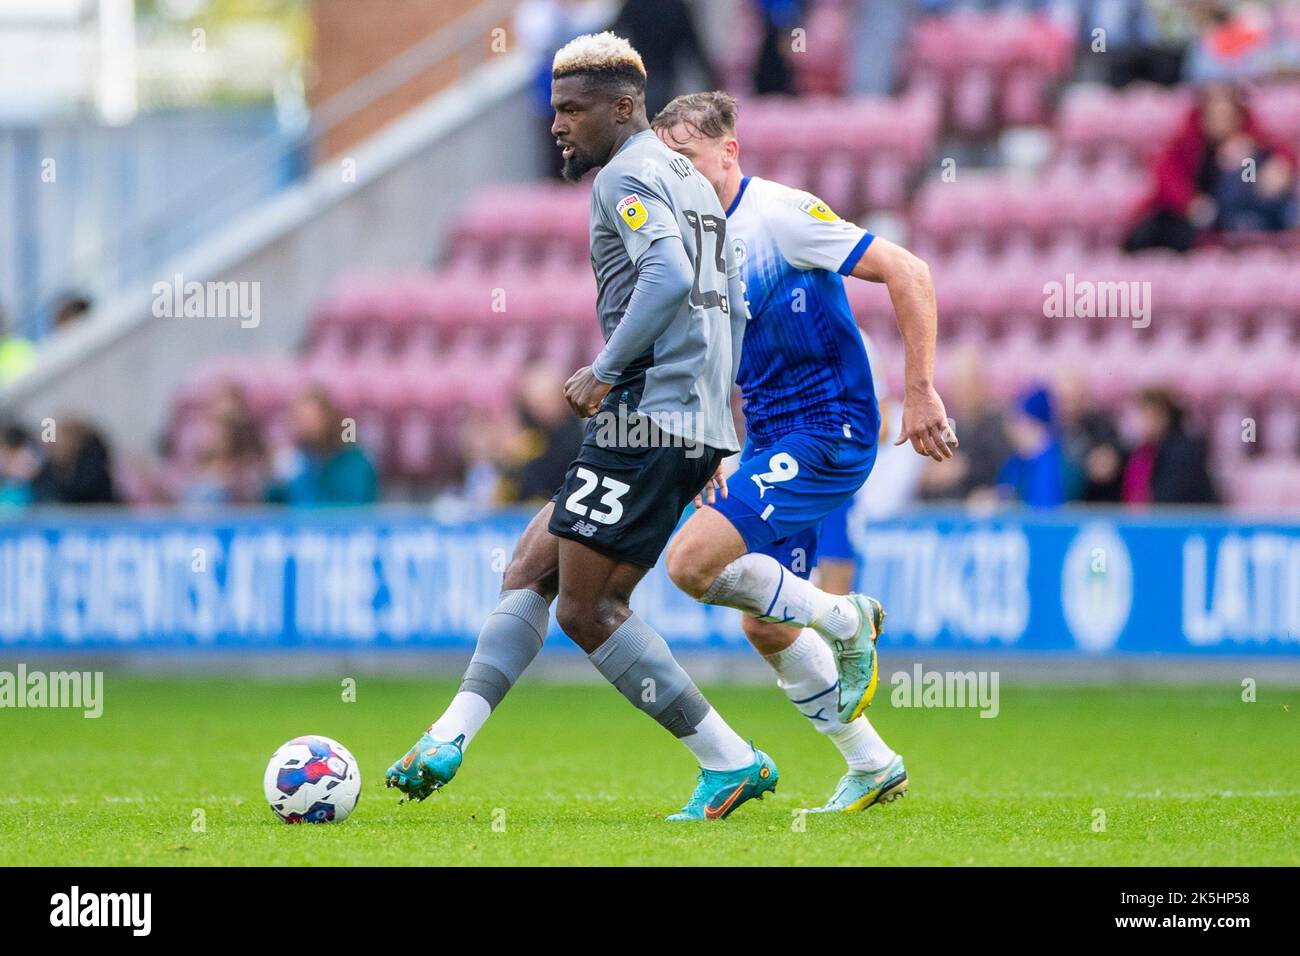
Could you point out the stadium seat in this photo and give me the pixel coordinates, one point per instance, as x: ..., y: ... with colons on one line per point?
x: 417, y: 353
x: 993, y: 69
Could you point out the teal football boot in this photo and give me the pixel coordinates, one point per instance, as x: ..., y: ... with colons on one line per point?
x: 855, y: 659
x: 427, y: 767
x: 859, y: 789
x: 719, y: 792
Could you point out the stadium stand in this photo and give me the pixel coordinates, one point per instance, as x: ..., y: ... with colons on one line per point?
x: 992, y: 69
x: 514, y: 286
x: 399, y: 350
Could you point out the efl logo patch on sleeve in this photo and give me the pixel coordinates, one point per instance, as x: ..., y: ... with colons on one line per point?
x: 632, y: 212
x: 818, y: 209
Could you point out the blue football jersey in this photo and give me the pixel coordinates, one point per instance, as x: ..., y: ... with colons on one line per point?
x: 803, y: 366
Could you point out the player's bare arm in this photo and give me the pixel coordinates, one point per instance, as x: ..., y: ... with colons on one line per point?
x: 907, y: 277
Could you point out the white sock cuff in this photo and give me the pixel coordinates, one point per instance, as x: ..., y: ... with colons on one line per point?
x: 716, y: 746
x: 805, y: 646
x: 862, y: 746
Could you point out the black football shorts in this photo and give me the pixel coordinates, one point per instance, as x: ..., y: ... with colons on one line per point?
x: 628, y: 487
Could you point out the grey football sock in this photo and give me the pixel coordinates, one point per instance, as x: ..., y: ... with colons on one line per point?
x: 507, y: 643
x: 637, y: 661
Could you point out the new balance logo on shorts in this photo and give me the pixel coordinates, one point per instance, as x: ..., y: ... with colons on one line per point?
x: 584, y: 528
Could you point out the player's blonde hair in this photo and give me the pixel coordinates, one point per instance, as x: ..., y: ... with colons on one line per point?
x: 600, y: 54
x: 711, y: 115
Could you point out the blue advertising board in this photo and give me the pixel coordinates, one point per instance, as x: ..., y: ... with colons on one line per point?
x: 1089, y: 582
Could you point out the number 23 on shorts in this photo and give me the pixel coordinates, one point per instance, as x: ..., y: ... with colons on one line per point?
x: 610, y: 501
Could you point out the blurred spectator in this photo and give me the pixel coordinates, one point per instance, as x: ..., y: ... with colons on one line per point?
x: 1035, y: 472
x: 226, y: 472
x: 1202, y: 185
x: 772, y: 73
x: 980, y: 430
x: 70, y: 310
x: 322, y: 468
x: 1241, y: 41
x: 1168, y: 466
x: 1263, y: 203
x: 664, y: 34
x: 1146, y: 40
x: 880, y: 30
x: 19, y: 464
x: 77, y: 469
x: 550, y: 440
x: 486, y: 443
x: 1094, y: 453
x: 229, y: 403
x: 16, y: 353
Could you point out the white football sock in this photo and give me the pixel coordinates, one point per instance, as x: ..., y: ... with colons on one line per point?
x: 757, y: 584
x: 507, y: 642
x: 806, y: 672
x: 862, y: 747
x: 716, y: 746
x: 466, y: 714
x: 638, y: 662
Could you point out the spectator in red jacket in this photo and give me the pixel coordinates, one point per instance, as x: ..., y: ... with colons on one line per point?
x: 1168, y: 466
x: 1222, y: 173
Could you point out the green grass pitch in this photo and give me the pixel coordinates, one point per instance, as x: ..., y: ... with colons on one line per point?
x: 573, y: 775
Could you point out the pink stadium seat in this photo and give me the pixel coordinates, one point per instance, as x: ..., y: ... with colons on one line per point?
x: 414, y: 355
x: 1271, y: 482
x: 1115, y: 368
x: 886, y: 182
x: 870, y: 303
x: 1064, y: 203
x: 414, y: 443
x: 994, y: 68
x: 1018, y: 362
x: 973, y: 99
x: 1025, y: 96
x: 1279, y: 425
x: 829, y: 32
x: 1139, y: 120
x: 855, y: 153
x: 792, y: 168
x: 838, y: 181
x: 1070, y: 349
x: 1269, y: 360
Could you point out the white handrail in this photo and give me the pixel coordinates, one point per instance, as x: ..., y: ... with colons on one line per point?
x: 225, y: 188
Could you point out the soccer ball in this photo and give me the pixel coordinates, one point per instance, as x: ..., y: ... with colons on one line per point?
x: 312, y: 780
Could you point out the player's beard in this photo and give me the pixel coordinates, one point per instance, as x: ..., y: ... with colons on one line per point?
x: 577, y: 166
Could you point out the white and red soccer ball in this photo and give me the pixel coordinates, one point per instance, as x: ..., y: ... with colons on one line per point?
x: 312, y: 779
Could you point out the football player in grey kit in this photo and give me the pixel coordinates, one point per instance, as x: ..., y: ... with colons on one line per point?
x: 658, y: 397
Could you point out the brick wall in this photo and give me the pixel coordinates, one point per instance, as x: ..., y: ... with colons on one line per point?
x: 354, y: 37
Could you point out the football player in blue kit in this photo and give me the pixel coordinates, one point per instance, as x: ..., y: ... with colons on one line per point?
x: 813, y: 430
